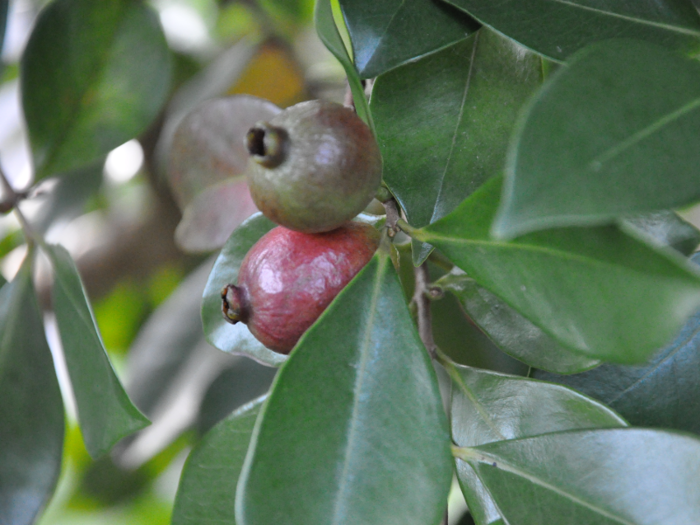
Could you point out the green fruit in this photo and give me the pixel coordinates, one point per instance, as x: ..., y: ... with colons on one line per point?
x: 313, y: 167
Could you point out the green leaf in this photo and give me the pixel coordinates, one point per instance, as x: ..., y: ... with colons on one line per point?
x: 558, y: 28
x: 487, y: 407
x: 235, y: 339
x: 606, y: 294
x: 329, y: 35
x: 666, y: 228
x: 663, y: 393
x: 606, y: 136
x: 354, y: 430
x: 390, y: 33
x: 593, y: 477
x: 31, y: 412
x: 105, y: 412
x: 447, y: 144
x: 513, y: 334
x: 208, y: 482
x: 94, y: 75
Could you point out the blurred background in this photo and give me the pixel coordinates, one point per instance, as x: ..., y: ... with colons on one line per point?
x: 118, y: 219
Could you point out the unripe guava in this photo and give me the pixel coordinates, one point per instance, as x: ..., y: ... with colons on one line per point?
x: 313, y: 167
x: 288, y: 278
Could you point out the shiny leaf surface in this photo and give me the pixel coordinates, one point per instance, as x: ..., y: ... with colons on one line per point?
x: 94, y: 75
x: 450, y: 142
x: 513, y: 334
x: 208, y: 482
x: 235, y: 339
x: 606, y: 294
x: 105, y: 412
x: 488, y: 407
x: 608, y: 135
x: 390, y: 33
x: 594, y: 477
x: 329, y: 35
x: 558, y: 28
x: 364, y: 388
x: 31, y: 412
x: 662, y: 393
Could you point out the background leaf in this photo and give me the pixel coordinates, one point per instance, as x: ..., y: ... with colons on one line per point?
x: 94, y: 75
x: 447, y: 144
x: 364, y: 388
x: 31, y: 412
x: 612, y: 476
x: 513, y: 334
x: 557, y: 28
x: 209, y: 144
x: 329, y: 35
x: 4, y: 8
x: 661, y: 393
x: 596, y: 290
x: 488, y: 407
x: 389, y: 33
x: 606, y: 136
x: 235, y: 339
x: 105, y: 412
x: 208, y: 482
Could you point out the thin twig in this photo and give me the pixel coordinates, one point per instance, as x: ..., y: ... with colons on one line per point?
x: 422, y: 301
x: 392, y: 216
x: 11, y: 197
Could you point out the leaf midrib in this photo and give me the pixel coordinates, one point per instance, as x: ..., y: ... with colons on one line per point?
x: 486, y: 458
x: 448, y: 160
x: 360, y: 377
x: 612, y: 14
x: 554, y: 253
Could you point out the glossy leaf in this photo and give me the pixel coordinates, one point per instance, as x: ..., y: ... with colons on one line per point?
x: 450, y: 142
x: 606, y: 294
x: 235, y: 339
x: 666, y: 228
x: 607, y: 136
x: 662, y: 393
x: 31, y: 412
x: 105, y: 412
x: 513, y: 334
x: 558, y: 28
x: 390, y: 33
x: 94, y: 75
x: 208, y: 482
x: 360, y: 387
x: 593, y: 477
x: 487, y: 407
x: 329, y: 35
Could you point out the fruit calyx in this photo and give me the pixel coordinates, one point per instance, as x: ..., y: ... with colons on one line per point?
x: 235, y: 304
x: 267, y: 144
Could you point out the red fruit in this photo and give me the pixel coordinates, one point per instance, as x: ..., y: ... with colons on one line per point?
x: 289, y: 278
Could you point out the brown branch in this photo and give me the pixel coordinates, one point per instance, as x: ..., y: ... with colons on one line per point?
x: 392, y: 216
x: 422, y: 300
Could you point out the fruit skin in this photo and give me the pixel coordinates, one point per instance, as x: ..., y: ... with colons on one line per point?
x: 313, y: 167
x: 288, y: 279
